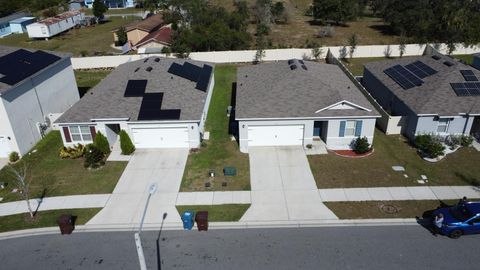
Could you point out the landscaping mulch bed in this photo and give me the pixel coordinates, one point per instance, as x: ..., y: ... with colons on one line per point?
x: 351, y: 153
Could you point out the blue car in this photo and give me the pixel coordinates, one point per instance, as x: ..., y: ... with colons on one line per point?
x: 462, y: 218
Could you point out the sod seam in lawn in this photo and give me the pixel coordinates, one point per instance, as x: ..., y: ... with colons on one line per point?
x: 217, y: 213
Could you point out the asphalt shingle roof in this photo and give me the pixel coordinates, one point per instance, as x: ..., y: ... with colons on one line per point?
x: 106, y: 100
x: 435, y: 95
x: 273, y: 90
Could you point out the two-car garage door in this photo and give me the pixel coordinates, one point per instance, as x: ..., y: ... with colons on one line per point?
x: 275, y: 135
x: 160, y: 137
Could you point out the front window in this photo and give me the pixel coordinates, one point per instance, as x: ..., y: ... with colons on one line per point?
x: 350, y: 128
x: 443, y: 125
x: 80, y: 133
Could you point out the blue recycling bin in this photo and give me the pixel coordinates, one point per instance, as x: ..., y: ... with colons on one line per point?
x: 188, y: 220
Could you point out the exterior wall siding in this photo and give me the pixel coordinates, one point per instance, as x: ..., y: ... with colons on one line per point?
x: 458, y: 125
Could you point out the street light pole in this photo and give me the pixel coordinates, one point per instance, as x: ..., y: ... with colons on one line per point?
x: 138, y: 240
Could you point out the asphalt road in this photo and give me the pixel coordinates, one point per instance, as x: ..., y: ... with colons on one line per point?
x: 386, y: 247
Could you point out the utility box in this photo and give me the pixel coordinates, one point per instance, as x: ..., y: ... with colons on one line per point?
x: 229, y: 171
x: 187, y: 219
x: 201, y: 218
x: 65, y: 223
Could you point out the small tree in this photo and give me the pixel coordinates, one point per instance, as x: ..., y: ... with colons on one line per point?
x: 101, y: 143
x: 343, y: 52
x: 122, y: 36
x: 361, y: 145
x: 126, y: 143
x: 352, y: 42
x: 451, y: 47
x: 387, y: 52
x: 317, y: 52
x: 22, y: 182
x: 402, y: 45
x: 99, y: 9
x: 93, y: 157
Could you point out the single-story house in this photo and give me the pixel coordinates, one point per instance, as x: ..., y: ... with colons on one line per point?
x: 35, y: 87
x: 157, y: 39
x: 435, y: 93
x: 160, y: 103
x: 114, y: 3
x: 137, y: 31
x: 296, y: 102
x: 52, y: 26
x: 5, y: 22
x: 19, y: 26
x: 76, y: 4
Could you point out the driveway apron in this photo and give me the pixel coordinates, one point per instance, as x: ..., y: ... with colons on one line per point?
x: 283, y: 187
x: 161, y: 166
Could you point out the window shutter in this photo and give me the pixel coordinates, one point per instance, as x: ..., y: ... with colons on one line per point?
x: 93, y: 132
x: 66, y: 134
x: 358, y: 128
x: 342, y: 129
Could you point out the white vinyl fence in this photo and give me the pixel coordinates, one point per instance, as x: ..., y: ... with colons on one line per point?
x: 272, y: 55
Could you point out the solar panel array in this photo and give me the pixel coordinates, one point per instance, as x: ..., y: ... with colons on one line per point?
x: 189, y: 71
x: 150, y: 109
x: 466, y: 89
x: 135, y: 88
x: 420, y: 69
x: 403, y: 77
x: 469, y: 75
x: 21, y: 64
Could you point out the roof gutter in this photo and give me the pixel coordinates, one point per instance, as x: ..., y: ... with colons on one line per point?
x: 309, y: 118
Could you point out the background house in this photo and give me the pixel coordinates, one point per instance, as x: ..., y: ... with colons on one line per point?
x: 5, y: 22
x: 161, y: 103
x: 52, y: 26
x: 35, y: 86
x: 114, y: 3
x: 157, y: 39
x: 138, y: 31
x: 297, y: 103
x: 19, y: 26
x: 435, y: 93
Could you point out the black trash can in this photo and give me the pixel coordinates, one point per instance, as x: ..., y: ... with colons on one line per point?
x: 65, y: 222
x: 201, y: 218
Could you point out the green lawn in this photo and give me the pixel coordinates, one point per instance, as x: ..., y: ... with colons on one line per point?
x: 384, y: 209
x: 88, y: 11
x: 468, y: 58
x: 44, y: 219
x: 220, y: 150
x: 223, y: 212
x: 83, y: 41
x: 56, y: 177
x: 355, y: 65
x: 332, y: 171
x: 88, y: 79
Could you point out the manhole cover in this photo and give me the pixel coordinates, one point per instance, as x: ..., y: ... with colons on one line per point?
x: 389, y: 209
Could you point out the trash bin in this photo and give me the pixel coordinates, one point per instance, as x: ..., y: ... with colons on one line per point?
x: 201, y: 218
x: 65, y: 222
x: 187, y: 219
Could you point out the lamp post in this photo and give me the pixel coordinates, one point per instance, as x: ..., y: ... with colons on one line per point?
x: 138, y: 240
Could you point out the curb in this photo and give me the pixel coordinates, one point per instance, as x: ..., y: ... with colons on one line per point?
x: 218, y: 226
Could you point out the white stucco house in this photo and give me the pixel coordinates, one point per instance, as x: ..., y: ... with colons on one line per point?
x: 298, y: 102
x: 159, y: 102
x: 35, y: 87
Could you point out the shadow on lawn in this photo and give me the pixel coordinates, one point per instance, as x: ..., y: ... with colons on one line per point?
x: 472, y: 181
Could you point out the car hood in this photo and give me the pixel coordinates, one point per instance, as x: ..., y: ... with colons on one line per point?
x: 447, y: 217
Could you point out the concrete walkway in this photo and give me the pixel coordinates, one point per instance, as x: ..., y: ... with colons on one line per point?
x: 283, y: 187
x: 214, y: 198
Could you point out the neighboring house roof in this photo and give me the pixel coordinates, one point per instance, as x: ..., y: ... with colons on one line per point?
x: 21, y: 20
x: 18, y: 65
x: 435, y: 96
x: 107, y: 99
x: 13, y: 16
x: 60, y: 17
x: 162, y: 36
x: 148, y: 25
x: 274, y: 90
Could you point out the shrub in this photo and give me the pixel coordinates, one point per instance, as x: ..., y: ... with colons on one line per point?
x: 361, y: 145
x: 429, y: 145
x: 93, y: 157
x: 309, y: 146
x: 126, y: 143
x: 13, y: 157
x: 453, y: 141
x: 74, y: 152
x: 466, y: 140
x: 101, y: 143
x: 203, y: 144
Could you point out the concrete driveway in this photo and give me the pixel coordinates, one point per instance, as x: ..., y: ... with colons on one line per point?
x: 161, y: 166
x: 283, y: 187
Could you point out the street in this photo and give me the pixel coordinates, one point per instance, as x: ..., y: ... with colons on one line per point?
x: 365, y: 247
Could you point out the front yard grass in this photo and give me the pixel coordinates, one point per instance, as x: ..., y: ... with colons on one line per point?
x: 384, y: 209
x: 332, y: 171
x: 220, y: 151
x: 45, y: 219
x: 86, y: 79
x: 216, y: 213
x: 53, y: 176
x: 83, y: 41
x: 468, y: 58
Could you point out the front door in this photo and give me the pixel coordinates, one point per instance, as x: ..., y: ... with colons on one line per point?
x: 317, y: 129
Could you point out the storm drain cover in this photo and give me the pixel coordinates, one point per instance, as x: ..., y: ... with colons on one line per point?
x: 389, y: 209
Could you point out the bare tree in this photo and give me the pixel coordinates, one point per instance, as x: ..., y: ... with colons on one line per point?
x: 317, y: 52
x: 22, y: 182
x: 387, y: 52
x: 352, y: 42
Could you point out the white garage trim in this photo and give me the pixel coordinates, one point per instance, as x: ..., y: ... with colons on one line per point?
x: 275, y: 135
x: 160, y: 137
x: 4, y: 146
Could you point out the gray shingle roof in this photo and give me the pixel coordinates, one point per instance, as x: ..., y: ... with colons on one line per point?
x: 106, y: 99
x: 435, y: 95
x: 13, y: 16
x: 273, y: 90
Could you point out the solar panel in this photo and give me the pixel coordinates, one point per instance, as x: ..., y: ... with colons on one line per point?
x: 420, y: 69
x: 191, y: 71
x: 150, y: 109
x: 469, y: 75
x: 204, y: 78
x: 403, y: 77
x: 21, y: 64
x: 175, y: 69
x: 466, y: 89
x: 135, y: 88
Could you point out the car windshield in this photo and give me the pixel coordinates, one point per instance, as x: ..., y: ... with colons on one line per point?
x: 460, y: 212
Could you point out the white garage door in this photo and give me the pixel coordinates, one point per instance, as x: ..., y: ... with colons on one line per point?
x: 275, y: 135
x: 160, y: 137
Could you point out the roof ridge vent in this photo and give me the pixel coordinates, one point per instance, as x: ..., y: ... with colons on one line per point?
x: 149, y: 69
x: 157, y: 59
x: 293, y: 67
x: 304, y: 67
x: 448, y: 63
x: 436, y: 57
x: 144, y: 61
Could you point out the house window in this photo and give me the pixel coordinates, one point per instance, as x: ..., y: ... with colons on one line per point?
x: 350, y: 128
x: 80, y: 133
x: 443, y: 125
